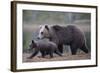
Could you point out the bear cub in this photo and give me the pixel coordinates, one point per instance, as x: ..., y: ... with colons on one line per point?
x: 44, y: 47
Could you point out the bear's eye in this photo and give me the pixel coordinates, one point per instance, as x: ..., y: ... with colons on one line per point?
x: 41, y: 32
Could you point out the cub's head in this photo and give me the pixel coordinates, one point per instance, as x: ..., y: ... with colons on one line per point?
x: 32, y: 45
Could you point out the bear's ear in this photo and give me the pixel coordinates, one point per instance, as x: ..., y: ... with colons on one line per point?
x: 46, y: 26
x: 57, y: 27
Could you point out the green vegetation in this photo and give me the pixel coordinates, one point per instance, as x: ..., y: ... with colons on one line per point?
x: 48, y: 17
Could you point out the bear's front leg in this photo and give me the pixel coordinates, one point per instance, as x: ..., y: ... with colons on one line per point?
x: 51, y: 54
x: 73, y: 49
x: 34, y: 54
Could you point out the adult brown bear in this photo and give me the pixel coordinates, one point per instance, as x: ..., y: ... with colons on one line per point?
x: 61, y: 35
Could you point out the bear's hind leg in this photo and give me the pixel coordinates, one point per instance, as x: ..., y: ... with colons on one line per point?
x: 84, y: 48
x: 43, y: 54
x: 57, y: 52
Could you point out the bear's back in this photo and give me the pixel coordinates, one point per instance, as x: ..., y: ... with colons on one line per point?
x: 68, y: 34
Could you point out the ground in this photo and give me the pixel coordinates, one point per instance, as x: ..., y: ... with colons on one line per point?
x: 65, y: 56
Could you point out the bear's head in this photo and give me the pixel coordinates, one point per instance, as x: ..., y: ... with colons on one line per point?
x: 43, y: 32
x: 48, y: 32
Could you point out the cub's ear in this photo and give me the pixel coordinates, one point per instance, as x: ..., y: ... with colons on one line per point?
x: 32, y: 41
x: 46, y: 26
x: 57, y: 27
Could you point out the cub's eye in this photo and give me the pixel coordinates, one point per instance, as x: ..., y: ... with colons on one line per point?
x: 41, y: 32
